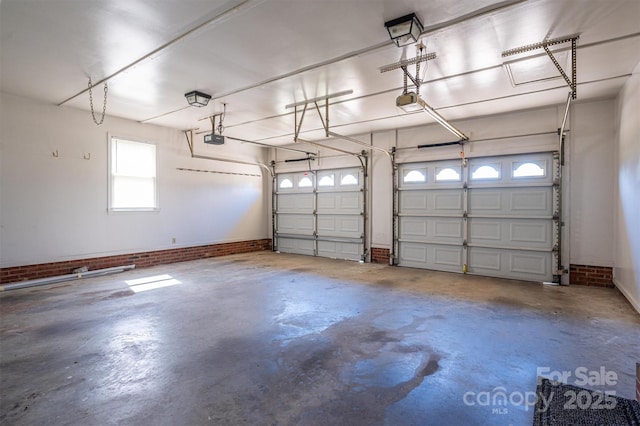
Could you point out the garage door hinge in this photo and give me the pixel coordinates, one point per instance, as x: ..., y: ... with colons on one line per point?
x: 465, y: 215
x: 556, y: 217
x: 464, y: 243
x: 465, y: 185
x: 556, y: 183
x: 555, y: 249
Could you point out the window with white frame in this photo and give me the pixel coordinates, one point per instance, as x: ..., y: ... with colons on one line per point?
x: 528, y: 169
x: 414, y: 176
x: 305, y: 182
x: 286, y: 183
x: 326, y: 180
x: 132, y: 175
x: 487, y: 171
x: 447, y: 174
x: 348, y: 179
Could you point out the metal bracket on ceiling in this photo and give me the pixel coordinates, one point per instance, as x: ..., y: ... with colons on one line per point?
x: 404, y: 64
x: 324, y: 120
x: 573, y: 39
x: 325, y: 125
x: 314, y: 101
x: 187, y: 133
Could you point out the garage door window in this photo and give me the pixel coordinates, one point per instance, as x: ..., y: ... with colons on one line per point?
x: 348, y: 179
x: 286, y: 184
x: 305, y: 182
x: 326, y: 180
x: 447, y: 174
x: 487, y: 171
x: 414, y: 176
x: 521, y: 170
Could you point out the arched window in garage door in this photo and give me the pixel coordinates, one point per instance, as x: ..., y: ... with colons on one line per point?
x: 485, y: 171
x: 529, y: 169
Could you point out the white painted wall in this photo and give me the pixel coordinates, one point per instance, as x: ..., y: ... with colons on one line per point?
x: 381, y: 188
x: 592, y: 143
x: 627, y: 195
x: 54, y: 209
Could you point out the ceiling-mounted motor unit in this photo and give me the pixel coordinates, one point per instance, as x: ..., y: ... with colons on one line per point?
x: 410, y: 102
x: 214, y: 139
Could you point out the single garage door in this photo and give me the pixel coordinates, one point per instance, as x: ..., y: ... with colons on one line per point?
x: 321, y: 213
x: 490, y: 216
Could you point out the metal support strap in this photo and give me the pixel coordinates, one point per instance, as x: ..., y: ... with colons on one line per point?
x: 558, y: 67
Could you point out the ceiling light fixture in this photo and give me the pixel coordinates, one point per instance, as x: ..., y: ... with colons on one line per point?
x: 197, y: 99
x: 405, y: 30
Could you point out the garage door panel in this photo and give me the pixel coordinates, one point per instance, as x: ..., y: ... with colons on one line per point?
x: 441, y: 257
x: 340, y: 202
x: 413, y: 254
x: 413, y: 201
x: 426, y: 229
x: 290, y: 245
x: 531, y: 199
x: 516, y: 264
x: 536, y: 202
x: 447, y: 228
x: 295, y: 224
x: 339, y: 250
x: 295, y: 203
x: 445, y: 202
x: 511, y: 233
x: 340, y: 226
x: 413, y: 228
x: 485, y: 200
x: 321, y: 213
x: 484, y: 260
x: 484, y: 230
x: 448, y: 256
x: 532, y: 233
x: 508, y: 230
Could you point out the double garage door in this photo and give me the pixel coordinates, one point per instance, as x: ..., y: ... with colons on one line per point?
x: 321, y: 213
x: 486, y: 216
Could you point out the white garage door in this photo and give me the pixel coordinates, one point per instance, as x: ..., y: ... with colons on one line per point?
x: 491, y: 216
x: 321, y: 213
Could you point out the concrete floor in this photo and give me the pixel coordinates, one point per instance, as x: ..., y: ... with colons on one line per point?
x: 267, y: 338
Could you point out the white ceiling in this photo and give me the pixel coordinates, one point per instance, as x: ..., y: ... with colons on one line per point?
x: 259, y: 55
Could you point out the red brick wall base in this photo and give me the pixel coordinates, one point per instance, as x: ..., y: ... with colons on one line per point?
x: 380, y: 255
x: 141, y: 260
x: 599, y: 276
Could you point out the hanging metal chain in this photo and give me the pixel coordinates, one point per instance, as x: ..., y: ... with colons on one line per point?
x: 224, y: 112
x: 104, y: 105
